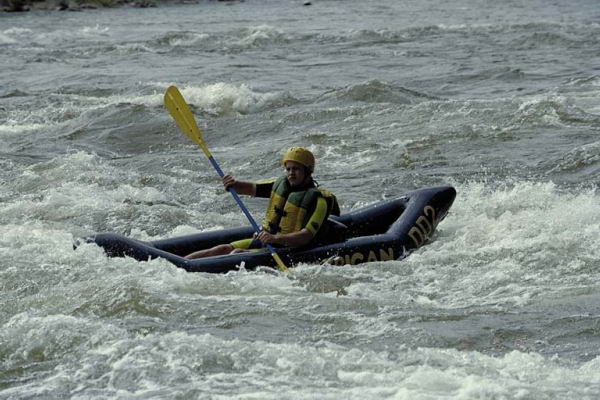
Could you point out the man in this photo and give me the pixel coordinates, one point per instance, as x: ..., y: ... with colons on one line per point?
x: 297, y: 212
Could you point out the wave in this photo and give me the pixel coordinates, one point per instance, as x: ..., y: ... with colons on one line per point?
x: 130, y: 48
x: 509, y: 243
x: 43, y: 112
x: 551, y: 33
x: 183, y: 39
x: 579, y: 158
x: 259, y: 36
x: 239, y: 39
x: 217, y: 99
x: 264, y: 35
x: 376, y: 91
x: 83, y: 192
x: 229, y: 99
x: 5, y: 39
x: 536, y: 40
x: 154, y: 356
x: 236, y: 40
x: 503, y: 118
x: 14, y: 35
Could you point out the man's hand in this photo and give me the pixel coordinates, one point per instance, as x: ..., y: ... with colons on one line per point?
x: 228, y: 181
x: 266, y: 238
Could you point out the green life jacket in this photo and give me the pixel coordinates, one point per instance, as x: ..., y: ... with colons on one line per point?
x: 289, y: 210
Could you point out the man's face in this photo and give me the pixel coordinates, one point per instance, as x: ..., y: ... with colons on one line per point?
x: 295, y: 173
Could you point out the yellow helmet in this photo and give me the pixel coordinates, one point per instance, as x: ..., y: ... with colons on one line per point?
x: 300, y: 155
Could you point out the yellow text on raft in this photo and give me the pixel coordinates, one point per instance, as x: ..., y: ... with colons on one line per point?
x: 358, y: 257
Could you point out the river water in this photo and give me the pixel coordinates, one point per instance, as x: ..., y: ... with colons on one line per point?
x: 499, y: 99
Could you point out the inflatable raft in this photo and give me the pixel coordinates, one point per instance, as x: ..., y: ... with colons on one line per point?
x: 384, y: 231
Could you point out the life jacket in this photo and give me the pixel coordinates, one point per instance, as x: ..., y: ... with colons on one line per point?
x: 289, y: 210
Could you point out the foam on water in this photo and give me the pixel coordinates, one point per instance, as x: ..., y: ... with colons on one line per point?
x: 131, y: 48
x: 225, y: 99
x: 236, y: 40
x: 40, y: 36
x: 492, y: 251
x: 220, y: 99
x: 580, y: 157
x: 113, y: 362
x: 517, y: 244
x: 259, y: 36
x: 14, y: 35
x: 187, y: 39
x: 6, y: 39
x: 82, y: 192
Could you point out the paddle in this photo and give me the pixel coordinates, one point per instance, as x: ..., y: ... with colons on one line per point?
x: 181, y: 113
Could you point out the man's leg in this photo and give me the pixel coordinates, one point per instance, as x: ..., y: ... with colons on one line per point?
x: 219, y: 250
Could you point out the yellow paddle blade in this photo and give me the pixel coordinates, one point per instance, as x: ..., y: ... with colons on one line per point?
x: 181, y: 113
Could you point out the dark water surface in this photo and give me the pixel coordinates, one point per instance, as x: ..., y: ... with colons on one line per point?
x: 500, y: 100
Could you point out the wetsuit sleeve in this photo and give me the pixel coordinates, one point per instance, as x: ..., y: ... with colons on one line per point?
x: 318, y: 217
x: 263, y: 188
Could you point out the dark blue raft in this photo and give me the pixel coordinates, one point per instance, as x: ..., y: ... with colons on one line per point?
x: 384, y: 231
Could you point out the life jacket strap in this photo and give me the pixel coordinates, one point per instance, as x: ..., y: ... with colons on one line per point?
x: 280, y: 211
x: 274, y: 228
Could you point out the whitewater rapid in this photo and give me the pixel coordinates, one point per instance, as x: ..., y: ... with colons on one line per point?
x: 501, y: 101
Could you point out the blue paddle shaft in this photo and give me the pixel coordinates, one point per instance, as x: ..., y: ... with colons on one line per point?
x: 239, y: 202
